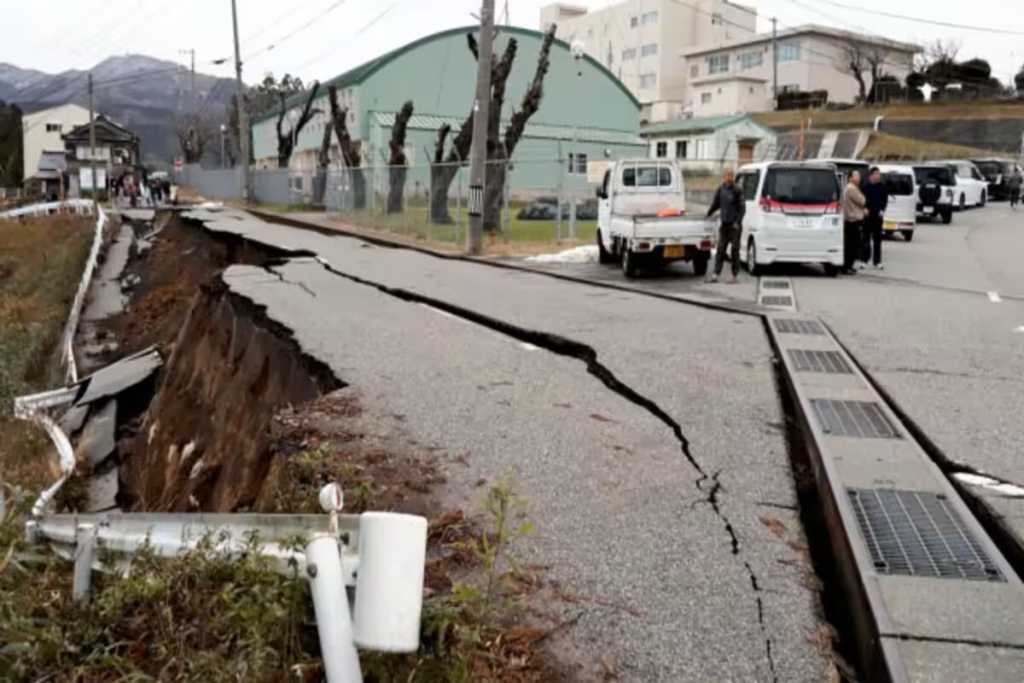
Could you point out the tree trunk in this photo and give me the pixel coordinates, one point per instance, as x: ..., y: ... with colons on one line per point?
x: 398, y: 162
x: 351, y: 150
x: 286, y: 140
x: 323, y: 164
x: 441, y: 177
x: 494, y: 192
x: 396, y: 188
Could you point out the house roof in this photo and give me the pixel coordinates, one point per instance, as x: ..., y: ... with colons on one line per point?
x: 106, y: 130
x: 805, y: 29
x: 359, y: 74
x: 533, y: 130
x: 706, y: 124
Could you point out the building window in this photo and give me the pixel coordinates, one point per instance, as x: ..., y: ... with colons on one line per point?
x: 705, y: 98
x: 633, y: 22
x: 53, y: 127
x: 628, y: 54
x: 577, y: 164
x: 789, y: 52
x: 750, y: 60
x: 718, y: 64
x: 661, y: 150
x: 648, y: 80
x: 648, y: 18
x: 694, y: 70
x: 681, y: 149
x: 649, y: 50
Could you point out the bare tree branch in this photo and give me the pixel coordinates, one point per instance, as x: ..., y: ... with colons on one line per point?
x: 532, y: 97
x: 286, y: 141
x: 442, y: 137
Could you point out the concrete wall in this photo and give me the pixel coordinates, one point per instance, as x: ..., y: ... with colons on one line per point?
x: 1002, y: 135
x: 37, y: 140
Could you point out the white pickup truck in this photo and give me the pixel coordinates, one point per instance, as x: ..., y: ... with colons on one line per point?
x: 642, y: 218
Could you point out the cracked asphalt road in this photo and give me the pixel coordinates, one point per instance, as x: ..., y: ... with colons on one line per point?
x: 686, y: 570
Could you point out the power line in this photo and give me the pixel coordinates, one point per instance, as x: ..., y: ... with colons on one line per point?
x: 921, y: 20
x: 359, y: 32
x: 293, y: 33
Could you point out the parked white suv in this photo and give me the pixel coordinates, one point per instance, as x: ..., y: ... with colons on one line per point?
x: 971, y: 186
x: 793, y: 215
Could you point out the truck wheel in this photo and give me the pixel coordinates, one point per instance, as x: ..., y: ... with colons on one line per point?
x: 752, y: 266
x: 908, y: 235
x: 603, y: 255
x: 629, y: 263
x: 831, y: 270
x: 947, y: 216
x: 700, y: 263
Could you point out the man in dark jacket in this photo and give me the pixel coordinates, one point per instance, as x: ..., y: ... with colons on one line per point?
x: 877, y: 199
x: 730, y: 202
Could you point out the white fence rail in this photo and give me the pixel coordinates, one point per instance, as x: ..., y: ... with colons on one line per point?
x: 81, y: 207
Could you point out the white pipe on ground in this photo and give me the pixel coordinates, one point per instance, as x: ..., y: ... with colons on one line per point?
x: 333, y: 618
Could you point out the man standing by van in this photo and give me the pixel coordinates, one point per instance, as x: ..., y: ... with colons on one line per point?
x: 876, y: 196
x: 853, y: 218
x: 730, y: 202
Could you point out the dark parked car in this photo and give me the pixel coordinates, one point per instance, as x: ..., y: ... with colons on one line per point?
x: 546, y: 209
x: 935, y: 186
x: 997, y: 173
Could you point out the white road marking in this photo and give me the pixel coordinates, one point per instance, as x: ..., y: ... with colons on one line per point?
x: 529, y: 347
x: 1020, y: 330
x: 995, y: 298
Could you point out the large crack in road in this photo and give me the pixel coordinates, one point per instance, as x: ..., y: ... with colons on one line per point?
x: 564, y: 346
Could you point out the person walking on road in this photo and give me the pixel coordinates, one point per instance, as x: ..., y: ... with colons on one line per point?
x: 1016, y: 179
x: 729, y: 201
x: 853, y: 218
x: 876, y: 196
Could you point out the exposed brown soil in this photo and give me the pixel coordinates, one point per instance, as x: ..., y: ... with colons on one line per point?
x: 204, y: 443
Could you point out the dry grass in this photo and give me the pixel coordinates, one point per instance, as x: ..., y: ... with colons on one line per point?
x: 41, y: 261
x: 783, y: 120
x: 892, y: 147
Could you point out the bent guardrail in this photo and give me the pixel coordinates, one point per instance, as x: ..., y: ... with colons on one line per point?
x: 381, y: 555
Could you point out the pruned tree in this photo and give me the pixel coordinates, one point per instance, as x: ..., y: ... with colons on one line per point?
x: 351, y: 150
x: 446, y: 166
x: 398, y: 163
x: 195, y: 134
x: 503, y: 151
x: 286, y: 139
x: 1018, y: 81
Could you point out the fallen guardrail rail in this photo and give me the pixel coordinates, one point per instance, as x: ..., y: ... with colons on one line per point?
x: 381, y: 555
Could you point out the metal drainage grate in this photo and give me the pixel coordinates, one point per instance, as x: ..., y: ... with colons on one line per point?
x: 775, y: 284
x: 785, y: 326
x: 854, y: 418
x: 831, y: 362
x: 916, y: 533
x: 777, y: 300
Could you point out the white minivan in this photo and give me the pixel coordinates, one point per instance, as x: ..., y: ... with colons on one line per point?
x: 901, y: 212
x: 793, y: 215
x: 971, y: 186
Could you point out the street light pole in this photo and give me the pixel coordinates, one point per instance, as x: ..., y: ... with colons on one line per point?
x: 223, y: 135
x: 481, y: 115
x: 92, y: 142
x: 775, y: 63
x: 243, y: 115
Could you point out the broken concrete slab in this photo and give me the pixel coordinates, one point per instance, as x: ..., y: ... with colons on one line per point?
x: 118, y: 377
x: 103, y: 490
x: 73, y: 419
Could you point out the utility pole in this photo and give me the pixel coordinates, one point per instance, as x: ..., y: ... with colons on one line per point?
x: 481, y: 108
x: 243, y: 115
x: 192, y: 82
x: 92, y: 144
x: 775, y: 63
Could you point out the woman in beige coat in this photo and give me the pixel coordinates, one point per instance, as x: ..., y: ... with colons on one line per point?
x: 854, y: 209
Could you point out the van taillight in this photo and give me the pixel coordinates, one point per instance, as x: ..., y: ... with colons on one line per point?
x: 768, y: 206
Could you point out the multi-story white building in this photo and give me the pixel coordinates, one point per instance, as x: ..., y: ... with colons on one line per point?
x: 641, y: 42
x: 737, y: 77
x: 41, y: 132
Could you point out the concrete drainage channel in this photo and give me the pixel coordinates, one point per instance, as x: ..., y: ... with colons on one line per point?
x: 927, y: 594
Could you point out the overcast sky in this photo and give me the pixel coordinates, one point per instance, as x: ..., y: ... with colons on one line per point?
x: 53, y: 35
